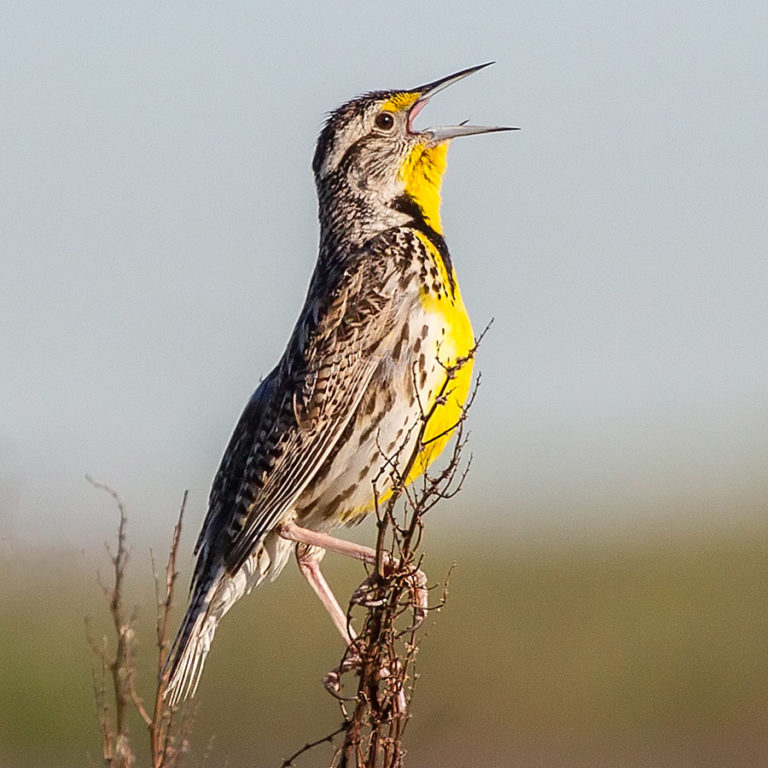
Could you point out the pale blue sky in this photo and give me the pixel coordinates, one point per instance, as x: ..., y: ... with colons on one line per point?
x: 157, y: 231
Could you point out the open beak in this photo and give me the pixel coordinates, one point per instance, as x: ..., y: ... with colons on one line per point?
x: 443, y: 133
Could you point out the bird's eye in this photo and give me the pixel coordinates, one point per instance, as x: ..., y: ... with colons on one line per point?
x: 384, y: 121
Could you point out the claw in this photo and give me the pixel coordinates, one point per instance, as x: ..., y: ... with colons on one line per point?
x: 352, y: 660
x: 364, y: 594
x: 332, y: 681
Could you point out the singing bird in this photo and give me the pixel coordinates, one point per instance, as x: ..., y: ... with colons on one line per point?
x: 375, y: 349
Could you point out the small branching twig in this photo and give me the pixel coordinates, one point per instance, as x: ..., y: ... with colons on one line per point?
x: 328, y: 739
x: 166, y: 744
x: 168, y: 738
x: 116, y: 742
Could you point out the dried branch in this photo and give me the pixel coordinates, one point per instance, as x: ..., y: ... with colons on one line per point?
x: 328, y: 739
x: 116, y: 742
x: 166, y: 745
x: 168, y: 736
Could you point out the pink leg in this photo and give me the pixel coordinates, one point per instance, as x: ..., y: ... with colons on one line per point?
x: 296, y: 533
x: 309, y: 565
x: 309, y: 557
x: 310, y: 549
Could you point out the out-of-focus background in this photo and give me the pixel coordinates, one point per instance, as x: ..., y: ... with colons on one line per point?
x: 157, y: 232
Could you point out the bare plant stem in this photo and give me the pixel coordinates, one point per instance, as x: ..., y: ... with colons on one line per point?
x: 168, y: 739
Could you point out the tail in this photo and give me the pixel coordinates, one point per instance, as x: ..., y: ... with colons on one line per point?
x: 193, y: 641
x: 211, y: 599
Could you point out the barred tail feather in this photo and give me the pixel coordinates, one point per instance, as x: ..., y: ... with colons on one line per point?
x: 192, y: 644
x: 211, y: 600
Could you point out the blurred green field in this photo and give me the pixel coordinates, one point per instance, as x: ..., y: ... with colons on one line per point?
x: 653, y: 653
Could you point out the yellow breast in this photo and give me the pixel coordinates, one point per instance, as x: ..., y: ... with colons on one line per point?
x: 453, y: 340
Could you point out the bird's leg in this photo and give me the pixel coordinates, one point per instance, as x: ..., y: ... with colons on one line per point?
x: 309, y: 558
x: 296, y: 533
x: 310, y: 549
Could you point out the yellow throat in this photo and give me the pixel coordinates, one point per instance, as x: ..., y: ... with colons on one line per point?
x: 422, y: 173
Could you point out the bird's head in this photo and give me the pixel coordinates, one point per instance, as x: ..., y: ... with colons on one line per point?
x: 370, y: 156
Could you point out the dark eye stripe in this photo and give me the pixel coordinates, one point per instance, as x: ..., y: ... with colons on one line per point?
x: 350, y: 156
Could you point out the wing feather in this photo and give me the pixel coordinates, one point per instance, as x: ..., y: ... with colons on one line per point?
x: 298, y: 414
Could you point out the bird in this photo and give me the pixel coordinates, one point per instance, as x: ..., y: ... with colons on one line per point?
x: 379, y: 364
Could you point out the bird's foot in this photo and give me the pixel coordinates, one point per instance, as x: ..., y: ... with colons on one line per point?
x: 332, y: 681
x: 369, y: 595
x: 352, y: 660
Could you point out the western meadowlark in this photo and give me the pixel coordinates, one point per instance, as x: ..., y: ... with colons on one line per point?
x: 382, y: 323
